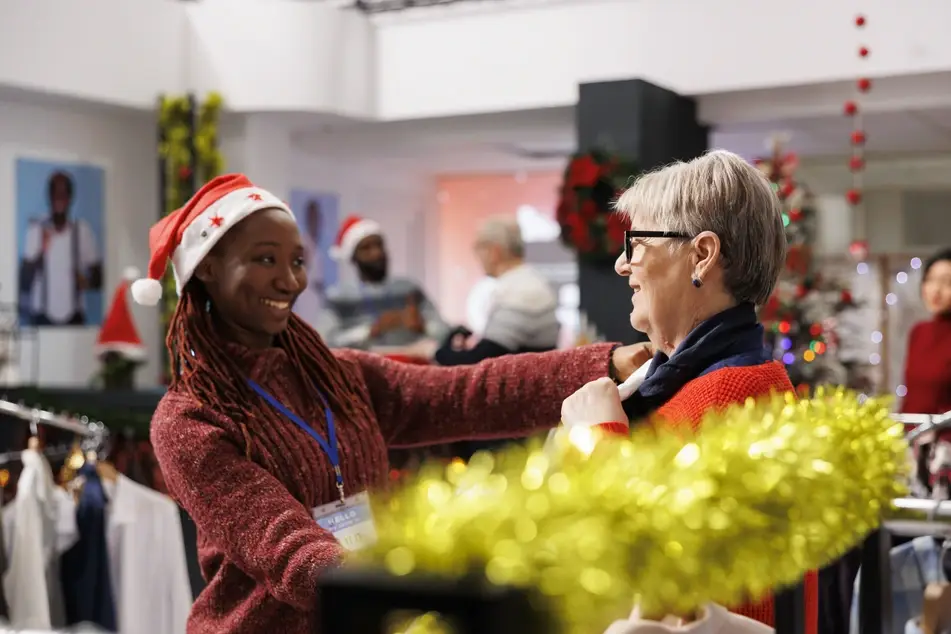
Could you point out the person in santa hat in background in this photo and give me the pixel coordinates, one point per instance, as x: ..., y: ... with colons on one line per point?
x: 271, y: 441
x: 119, y: 346
x: 385, y: 314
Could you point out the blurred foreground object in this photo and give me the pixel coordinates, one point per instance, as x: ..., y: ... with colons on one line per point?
x: 761, y: 495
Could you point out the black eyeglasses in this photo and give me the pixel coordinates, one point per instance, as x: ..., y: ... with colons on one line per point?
x: 632, y: 234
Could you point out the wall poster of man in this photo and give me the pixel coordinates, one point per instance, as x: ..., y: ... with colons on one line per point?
x: 317, y: 218
x: 60, y: 232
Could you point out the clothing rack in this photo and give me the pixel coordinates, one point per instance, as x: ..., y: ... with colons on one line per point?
x: 36, y: 416
x: 94, y: 433
x: 79, y: 629
x: 915, y: 517
x: 51, y: 453
x: 924, y: 423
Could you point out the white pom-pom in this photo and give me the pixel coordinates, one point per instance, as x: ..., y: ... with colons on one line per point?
x: 147, y: 292
x: 131, y: 274
x: 335, y: 252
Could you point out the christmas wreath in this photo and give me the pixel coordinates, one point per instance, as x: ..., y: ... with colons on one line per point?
x: 593, y: 180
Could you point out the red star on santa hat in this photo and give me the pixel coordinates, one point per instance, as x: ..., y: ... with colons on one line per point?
x: 216, y: 220
x: 254, y: 196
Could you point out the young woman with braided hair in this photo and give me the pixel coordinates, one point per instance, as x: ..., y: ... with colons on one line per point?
x: 271, y: 441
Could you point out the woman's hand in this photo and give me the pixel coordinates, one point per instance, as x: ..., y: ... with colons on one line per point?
x: 626, y: 359
x: 595, y: 403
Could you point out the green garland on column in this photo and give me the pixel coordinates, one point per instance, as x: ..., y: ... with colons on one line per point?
x: 189, y: 150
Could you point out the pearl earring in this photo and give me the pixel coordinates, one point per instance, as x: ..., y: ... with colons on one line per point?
x: 207, y: 305
x: 697, y: 282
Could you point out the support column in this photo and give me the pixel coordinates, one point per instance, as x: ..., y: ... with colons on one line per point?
x: 653, y: 126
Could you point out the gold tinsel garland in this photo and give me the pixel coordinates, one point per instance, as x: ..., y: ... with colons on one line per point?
x: 673, y: 520
x: 176, y: 120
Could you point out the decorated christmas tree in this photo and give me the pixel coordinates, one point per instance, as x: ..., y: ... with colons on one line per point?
x: 802, y: 316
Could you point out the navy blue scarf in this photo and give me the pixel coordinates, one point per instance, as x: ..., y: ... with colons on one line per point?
x: 732, y: 338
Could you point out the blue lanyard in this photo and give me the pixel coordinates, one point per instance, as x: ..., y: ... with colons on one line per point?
x: 330, y: 448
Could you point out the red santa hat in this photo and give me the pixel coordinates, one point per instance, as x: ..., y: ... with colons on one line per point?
x: 188, y: 234
x: 352, y: 231
x: 118, y: 332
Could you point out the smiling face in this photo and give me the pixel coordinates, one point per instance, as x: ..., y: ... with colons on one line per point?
x: 254, y: 275
x: 658, y: 274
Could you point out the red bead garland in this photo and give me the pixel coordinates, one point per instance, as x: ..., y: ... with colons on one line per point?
x: 857, y: 140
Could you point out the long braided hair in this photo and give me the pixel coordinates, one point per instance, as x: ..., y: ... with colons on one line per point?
x: 202, y: 367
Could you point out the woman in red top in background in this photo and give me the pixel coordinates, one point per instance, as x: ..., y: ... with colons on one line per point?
x: 928, y: 362
x: 706, y: 246
x: 263, y: 425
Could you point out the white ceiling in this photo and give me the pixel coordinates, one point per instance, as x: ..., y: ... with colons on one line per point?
x: 541, y: 139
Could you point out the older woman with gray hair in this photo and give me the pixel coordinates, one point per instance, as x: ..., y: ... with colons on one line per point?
x: 522, y: 311
x: 706, y: 246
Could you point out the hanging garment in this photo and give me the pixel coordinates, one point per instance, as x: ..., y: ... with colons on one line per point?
x: 147, y: 560
x: 85, y: 567
x: 39, y: 525
x: 913, y: 566
x: 714, y: 619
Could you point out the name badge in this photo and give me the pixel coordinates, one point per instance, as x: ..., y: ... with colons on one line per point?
x: 350, y: 521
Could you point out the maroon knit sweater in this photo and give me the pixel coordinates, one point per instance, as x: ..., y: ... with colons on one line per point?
x: 258, y: 545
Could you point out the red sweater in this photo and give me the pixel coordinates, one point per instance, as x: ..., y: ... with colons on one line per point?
x: 928, y: 368
x: 258, y: 545
x: 717, y: 390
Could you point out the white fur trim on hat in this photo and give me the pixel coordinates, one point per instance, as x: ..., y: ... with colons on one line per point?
x: 354, y: 235
x: 128, y: 350
x: 147, y: 292
x: 203, y: 233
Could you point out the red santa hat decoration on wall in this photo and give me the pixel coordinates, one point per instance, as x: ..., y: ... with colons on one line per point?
x: 353, y: 230
x: 118, y: 333
x: 188, y: 234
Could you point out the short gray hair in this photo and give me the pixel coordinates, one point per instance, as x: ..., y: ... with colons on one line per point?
x: 502, y: 231
x: 722, y: 193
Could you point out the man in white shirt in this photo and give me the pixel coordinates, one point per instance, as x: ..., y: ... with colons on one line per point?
x: 60, y: 261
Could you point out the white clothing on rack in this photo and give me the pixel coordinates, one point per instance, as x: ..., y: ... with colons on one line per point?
x: 715, y: 620
x: 39, y: 525
x: 151, y: 587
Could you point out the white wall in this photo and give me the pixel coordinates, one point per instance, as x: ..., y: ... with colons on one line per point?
x: 107, y: 51
x: 122, y: 142
x: 879, y: 220
x: 513, y: 56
